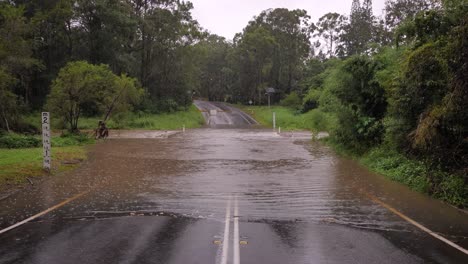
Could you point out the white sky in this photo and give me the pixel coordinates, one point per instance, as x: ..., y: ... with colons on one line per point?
x: 228, y: 17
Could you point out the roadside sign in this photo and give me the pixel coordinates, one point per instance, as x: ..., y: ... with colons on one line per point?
x: 274, y: 120
x: 213, y: 112
x: 46, y: 144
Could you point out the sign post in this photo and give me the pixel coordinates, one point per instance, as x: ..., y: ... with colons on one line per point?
x: 274, y: 120
x: 46, y: 141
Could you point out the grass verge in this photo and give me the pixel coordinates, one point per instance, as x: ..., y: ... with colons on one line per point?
x: 17, y: 165
x: 448, y: 187
x: 191, y: 118
x: 413, y: 173
x: 289, y: 119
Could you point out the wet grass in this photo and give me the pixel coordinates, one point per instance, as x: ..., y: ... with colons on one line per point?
x: 413, y: 173
x: 417, y: 175
x: 191, y: 118
x: 17, y: 141
x: 290, y: 119
x: 17, y: 165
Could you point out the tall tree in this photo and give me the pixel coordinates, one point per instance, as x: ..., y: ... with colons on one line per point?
x: 54, y: 42
x: 107, y: 30
x: 329, y: 28
x: 291, y: 30
x: 397, y: 11
x: 166, y: 30
x: 16, y: 61
x: 359, y: 32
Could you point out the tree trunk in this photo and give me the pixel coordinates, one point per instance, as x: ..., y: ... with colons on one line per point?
x: 6, y: 120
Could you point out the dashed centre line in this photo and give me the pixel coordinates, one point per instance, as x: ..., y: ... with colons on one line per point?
x: 224, y: 253
x: 236, y: 242
x: 236, y: 258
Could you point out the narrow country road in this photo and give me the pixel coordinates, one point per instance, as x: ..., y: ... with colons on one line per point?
x: 220, y: 115
x: 239, y: 195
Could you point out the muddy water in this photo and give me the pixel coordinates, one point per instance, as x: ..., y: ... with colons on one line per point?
x: 283, y: 178
x: 274, y: 178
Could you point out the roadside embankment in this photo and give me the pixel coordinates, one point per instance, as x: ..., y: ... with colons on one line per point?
x: 19, y: 166
x: 289, y: 119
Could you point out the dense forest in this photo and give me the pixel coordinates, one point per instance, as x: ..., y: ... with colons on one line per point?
x: 398, y: 80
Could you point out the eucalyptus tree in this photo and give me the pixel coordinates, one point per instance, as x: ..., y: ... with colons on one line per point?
x: 255, y: 50
x: 16, y: 62
x: 397, y: 11
x: 360, y: 31
x: 291, y: 30
x: 330, y: 28
x: 212, y: 64
x: 106, y: 30
x: 165, y: 34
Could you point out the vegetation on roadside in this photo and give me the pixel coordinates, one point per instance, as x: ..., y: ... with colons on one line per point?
x: 192, y: 118
x: 417, y: 174
x: 18, y: 141
x: 17, y: 165
x: 290, y: 119
x: 401, y: 109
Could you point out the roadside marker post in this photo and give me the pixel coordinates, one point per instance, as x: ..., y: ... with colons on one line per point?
x: 274, y: 120
x: 46, y: 143
x: 183, y: 128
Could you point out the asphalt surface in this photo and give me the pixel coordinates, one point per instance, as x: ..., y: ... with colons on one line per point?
x: 221, y: 115
x: 164, y: 197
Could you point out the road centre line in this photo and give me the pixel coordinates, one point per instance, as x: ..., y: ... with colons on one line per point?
x: 236, y: 258
x: 413, y: 222
x: 224, y: 253
x: 44, y: 212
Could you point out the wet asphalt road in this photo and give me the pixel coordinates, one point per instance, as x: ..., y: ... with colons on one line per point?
x: 164, y: 197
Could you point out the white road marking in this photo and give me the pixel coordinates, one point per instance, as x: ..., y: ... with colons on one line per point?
x: 243, y: 117
x: 418, y: 225
x: 236, y: 233
x: 224, y: 253
x: 43, y: 212
x: 242, y: 114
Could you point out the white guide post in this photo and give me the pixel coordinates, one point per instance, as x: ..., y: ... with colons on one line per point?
x: 46, y: 140
x: 274, y: 120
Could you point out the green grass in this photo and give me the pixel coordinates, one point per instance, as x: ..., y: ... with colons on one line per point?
x: 416, y: 175
x: 397, y: 167
x: 412, y: 173
x: 16, y: 165
x: 289, y: 119
x: 191, y: 118
x: 17, y: 141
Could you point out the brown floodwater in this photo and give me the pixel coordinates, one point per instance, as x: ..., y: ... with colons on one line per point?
x: 193, y: 174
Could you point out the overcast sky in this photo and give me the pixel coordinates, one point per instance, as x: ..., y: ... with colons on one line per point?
x: 228, y: 17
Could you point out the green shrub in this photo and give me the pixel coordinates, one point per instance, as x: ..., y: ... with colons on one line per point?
x: 292, y: 100
x: 417, y: 175
x: 311, y: 100
x: 13, y: 141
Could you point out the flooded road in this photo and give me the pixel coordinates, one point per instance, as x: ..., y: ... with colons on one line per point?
x: 225, y: 196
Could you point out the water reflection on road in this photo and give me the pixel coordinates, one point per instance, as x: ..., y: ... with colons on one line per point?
x: 307, y: 196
